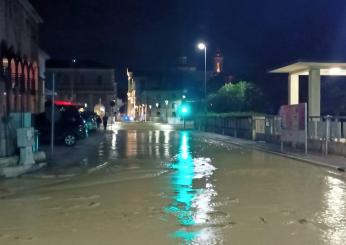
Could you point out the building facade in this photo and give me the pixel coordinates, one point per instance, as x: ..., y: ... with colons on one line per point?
x: 159, y: 104
x: 20, y: 83
x: 159, y: 93
x: 86, y: 82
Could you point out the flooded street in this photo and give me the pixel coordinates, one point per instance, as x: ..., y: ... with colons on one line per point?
x: 178, y: 187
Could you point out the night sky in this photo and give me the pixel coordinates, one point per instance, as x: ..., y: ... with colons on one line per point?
x: 254, y: 36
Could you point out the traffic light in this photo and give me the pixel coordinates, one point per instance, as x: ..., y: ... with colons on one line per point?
x: 184, y: 110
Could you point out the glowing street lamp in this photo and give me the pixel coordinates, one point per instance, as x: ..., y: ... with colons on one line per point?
x: 203, y: 46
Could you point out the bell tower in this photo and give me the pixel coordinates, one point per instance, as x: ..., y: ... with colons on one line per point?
x: 218, y: 62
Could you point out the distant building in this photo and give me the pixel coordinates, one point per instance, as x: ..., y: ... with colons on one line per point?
x: 159, y: 93
x: 20, y: 83
x: 161, y: 104
x: 87, y: 82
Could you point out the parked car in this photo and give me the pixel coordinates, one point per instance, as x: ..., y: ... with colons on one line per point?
x: 69, y: 126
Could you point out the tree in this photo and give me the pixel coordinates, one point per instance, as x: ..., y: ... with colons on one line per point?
x: 236, y: 97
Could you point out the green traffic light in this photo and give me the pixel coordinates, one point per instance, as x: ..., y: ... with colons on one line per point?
x: 184, y: 110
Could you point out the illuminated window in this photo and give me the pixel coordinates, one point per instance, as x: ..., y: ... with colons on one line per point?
x: 4, y: 67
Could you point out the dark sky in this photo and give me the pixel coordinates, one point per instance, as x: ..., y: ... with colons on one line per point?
x: 254, y: 35
x: 251, y: 34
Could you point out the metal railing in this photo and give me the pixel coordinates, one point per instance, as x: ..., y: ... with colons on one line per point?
x: 326, y: 134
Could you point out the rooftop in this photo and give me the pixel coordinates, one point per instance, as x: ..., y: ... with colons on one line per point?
x: 302, y: 68
x: 79, y: 64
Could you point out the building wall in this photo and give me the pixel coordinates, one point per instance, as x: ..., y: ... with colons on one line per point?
x: 19, y: 83
x: 19, y: 27
x: 156, y: 99
x: 86, y: 86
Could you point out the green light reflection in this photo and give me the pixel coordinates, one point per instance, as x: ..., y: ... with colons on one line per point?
x: 190, y: 205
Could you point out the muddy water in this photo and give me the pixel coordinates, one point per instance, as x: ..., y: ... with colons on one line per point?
x: 166, y: 187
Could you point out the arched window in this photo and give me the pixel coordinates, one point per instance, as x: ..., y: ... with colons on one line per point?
x: 4, y: 67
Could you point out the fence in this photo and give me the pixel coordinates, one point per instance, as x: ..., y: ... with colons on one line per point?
x: 325, y: 134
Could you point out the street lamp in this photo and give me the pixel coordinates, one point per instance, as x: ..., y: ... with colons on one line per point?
x: 144, y: 113
x: 166, y: 103
x: 203, y: 46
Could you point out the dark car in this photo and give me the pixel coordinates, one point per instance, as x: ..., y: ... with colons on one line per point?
x: 69, y: 126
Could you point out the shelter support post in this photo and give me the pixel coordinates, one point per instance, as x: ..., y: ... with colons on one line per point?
x: 293, y: 89
x: 314, y: 93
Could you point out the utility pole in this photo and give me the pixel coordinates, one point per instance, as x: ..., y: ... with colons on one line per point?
x: 52, y: 115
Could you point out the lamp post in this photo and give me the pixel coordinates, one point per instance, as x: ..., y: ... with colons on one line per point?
x: 166, y: 103
x: 74, y: 61
x: 203, y: 46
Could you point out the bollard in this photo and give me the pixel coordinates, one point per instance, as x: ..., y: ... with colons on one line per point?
x: 328, y: 119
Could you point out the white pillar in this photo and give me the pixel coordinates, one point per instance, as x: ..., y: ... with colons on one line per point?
x: 293, y: 89
x: 314, y: 102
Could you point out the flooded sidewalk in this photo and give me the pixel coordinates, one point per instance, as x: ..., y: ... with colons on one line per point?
x: 330, y: 161
x: 179, y: 187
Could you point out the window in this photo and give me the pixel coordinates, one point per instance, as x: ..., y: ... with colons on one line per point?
x: 99, y: 80
x: 58, y: 77
x: 66, y: 79
x: 4, y: 67
x: 82, y: 78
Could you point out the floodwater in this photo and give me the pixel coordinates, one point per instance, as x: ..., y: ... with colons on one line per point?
x: 178, y: 187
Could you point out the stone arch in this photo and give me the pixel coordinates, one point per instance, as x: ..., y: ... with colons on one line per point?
x: 24, y: 84
x: 13, y: 73
x: 35, y: 76
x: 20, y: 74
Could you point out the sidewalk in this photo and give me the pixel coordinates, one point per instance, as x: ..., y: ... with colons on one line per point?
x: 65, y: 157
x: 331, y: 161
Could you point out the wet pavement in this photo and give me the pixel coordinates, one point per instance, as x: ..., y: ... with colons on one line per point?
x: 177, y: 187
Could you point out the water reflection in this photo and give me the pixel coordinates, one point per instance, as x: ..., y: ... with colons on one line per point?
x: 335, y: 208
x: 193, y: 196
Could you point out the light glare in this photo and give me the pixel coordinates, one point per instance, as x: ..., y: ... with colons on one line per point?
x: 202, y: 46
x: 335, y: 71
